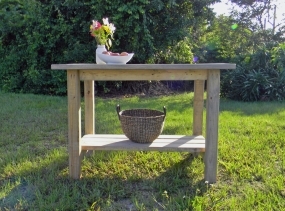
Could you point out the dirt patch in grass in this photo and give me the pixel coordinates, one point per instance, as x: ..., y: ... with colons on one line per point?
x: 18, y: 198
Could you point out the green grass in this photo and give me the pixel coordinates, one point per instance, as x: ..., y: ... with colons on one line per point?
x: 34, y: 159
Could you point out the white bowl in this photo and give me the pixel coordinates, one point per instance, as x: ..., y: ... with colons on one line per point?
x: 115, y: 59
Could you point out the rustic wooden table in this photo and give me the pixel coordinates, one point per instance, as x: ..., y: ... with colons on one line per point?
x: 200, y: 73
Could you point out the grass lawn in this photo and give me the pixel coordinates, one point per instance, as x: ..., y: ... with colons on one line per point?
x: 34, y: 159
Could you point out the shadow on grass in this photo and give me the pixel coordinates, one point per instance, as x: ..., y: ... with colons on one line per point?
x: 49, y: 187
x: 251, y: 108
x: 23, y: 191
x: 32, y: 175
x: 176, y: 185
x: 181, y: 184
x: 244, y: 108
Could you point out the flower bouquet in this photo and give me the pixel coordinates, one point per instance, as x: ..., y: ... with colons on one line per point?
x: 103, y: 33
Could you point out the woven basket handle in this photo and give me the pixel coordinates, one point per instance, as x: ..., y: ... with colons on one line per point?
x: 164, y: 109
x: 118, y: 111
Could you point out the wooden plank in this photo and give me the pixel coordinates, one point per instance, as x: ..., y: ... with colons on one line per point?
x: 149, y: 74
x: 212, y: 121
x: 198, y: 106
x: 162, y: 143
x: 202, y: 66
x: 74, y: 123
x: 89, y: 107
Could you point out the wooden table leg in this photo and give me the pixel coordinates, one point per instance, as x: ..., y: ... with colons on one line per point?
x: 89, y: 107
x: 212, y: 121
x: 74, y: 123
x: 89, y: 112
x: 198, y: 106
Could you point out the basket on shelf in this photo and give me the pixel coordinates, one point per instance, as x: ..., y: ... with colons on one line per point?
x: 141, y: 125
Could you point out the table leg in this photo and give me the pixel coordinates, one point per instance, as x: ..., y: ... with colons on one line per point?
x: 212, y: 121
x: 89, y: 112
x: 74, y: 123
x: 198, y: 106
x: 89, y: 107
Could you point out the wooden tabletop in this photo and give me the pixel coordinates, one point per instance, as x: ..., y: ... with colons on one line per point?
x: 202, y: 66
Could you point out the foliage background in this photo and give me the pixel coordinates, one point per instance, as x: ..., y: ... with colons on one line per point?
x: 35, y: 34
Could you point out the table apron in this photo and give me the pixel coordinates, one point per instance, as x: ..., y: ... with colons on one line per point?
x: 136, y: 75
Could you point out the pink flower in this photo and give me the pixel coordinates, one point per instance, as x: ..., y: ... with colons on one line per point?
x: 96, y: 25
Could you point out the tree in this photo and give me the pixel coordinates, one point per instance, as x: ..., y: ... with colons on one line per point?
x: 260, y: 73
x: 257, y: 15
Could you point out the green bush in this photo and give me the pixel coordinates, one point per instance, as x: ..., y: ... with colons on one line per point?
x: 260, y: 76
x: 36, y: 34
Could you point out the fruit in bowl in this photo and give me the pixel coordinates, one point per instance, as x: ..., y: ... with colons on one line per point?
x: 115, y: 58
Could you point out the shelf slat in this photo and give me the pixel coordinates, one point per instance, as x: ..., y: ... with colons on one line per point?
x: 162, y: 143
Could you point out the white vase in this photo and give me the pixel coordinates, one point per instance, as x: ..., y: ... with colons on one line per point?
x: 100, y: 49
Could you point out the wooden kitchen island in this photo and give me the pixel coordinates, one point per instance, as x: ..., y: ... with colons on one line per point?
x: 78, y: 144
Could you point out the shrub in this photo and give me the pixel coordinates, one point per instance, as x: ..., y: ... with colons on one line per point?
x: 36, y: 34
x: 253, y: 85
x: 275, y: 90
x: 259, y: 76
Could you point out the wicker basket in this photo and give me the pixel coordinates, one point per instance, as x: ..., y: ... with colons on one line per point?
x: 141, y: 125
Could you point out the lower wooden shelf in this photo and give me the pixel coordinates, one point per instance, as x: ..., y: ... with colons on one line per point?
x: 162, y: 143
